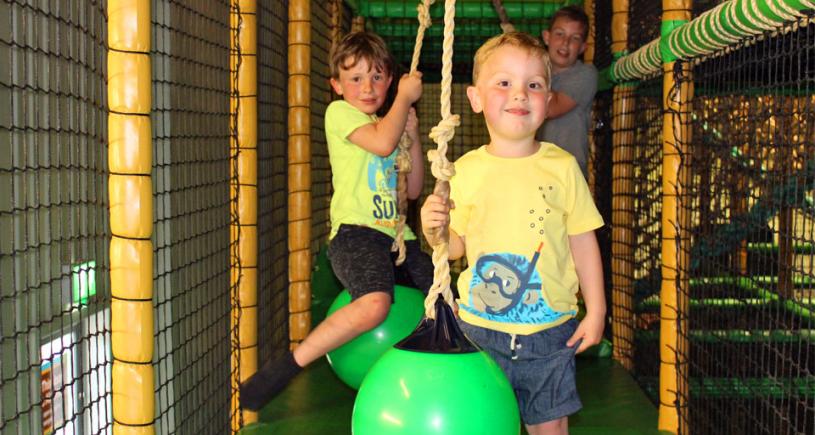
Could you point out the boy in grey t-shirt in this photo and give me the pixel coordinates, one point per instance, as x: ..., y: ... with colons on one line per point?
x: 574, y: 84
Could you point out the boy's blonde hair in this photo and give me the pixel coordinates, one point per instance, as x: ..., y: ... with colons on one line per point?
x: 516, y: 39
x: 360, y: 45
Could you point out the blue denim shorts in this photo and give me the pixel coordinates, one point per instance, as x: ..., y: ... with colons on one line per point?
x: 540, y: 368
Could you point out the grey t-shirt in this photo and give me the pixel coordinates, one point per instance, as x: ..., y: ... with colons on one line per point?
x: 570, y: 131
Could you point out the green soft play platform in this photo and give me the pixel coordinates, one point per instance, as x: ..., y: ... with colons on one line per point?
x: 318, y: 403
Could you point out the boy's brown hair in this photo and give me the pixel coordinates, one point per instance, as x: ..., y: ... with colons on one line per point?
x: 360, y: 45
x: 572, y: 13
x: 516, y: 39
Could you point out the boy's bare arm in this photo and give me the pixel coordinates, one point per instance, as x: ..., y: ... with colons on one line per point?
x: 415, y: 177
x: 382, y: 137
x: 589, y: 266
x: 435, y: 214
x: 559, y: 105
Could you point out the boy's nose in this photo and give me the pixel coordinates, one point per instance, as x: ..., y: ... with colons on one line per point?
x: 519, y: 95
x: 366, y: 86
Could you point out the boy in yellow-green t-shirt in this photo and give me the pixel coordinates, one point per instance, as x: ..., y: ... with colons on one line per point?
x: 521, y: 212
x: 362, y: 149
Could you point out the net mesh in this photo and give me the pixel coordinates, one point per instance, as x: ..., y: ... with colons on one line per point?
x: 752, y: 358
x: 191, y: 177
x: 273, y: 336
x: 54, y: 231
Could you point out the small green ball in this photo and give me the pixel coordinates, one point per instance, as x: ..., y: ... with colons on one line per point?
x: 352, y: 360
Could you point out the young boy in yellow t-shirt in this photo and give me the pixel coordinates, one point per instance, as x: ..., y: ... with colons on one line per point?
x: 521, y: 212
x: 362, y: 150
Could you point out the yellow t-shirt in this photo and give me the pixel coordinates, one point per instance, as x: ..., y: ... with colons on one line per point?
x: 516, y: 215
x: 364, y: 183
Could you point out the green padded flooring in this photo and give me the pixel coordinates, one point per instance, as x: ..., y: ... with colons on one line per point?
x: 318, y: 403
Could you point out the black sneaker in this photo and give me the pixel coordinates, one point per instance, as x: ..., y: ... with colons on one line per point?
x: 270, y: 380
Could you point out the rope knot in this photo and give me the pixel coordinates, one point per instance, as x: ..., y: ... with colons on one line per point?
x: 446, y: 129
x: 424, y: 14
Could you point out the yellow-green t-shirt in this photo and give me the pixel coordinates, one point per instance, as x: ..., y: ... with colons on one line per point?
x: 516, y: 215
x: 364, y: 183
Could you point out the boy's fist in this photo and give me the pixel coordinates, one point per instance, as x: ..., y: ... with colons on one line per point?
x: 435, y: 214
x: 412, y: 125
x: 410, y: 87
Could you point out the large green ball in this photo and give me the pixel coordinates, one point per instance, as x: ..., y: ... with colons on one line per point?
x: 408, y: 392
x: 352, y: 360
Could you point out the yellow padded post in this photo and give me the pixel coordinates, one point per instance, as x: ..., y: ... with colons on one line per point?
x: 299, y: 181
x: 243, y: 192
x: 674, y: 292
x: 131, y: 215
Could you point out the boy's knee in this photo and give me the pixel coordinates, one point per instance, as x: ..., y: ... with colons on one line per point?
x: 373, y: 309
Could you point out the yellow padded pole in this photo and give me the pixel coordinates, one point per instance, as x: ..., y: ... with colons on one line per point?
x: 674, y: 297
x: 244, y: 201
x: 130, y: 194
x: 588, y: 54
x: 588, y: 57
x: 299, y: 170
x: 622, y: 211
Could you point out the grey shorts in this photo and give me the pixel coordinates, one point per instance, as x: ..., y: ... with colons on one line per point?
x: 541, y: 369
x: 361, y: 258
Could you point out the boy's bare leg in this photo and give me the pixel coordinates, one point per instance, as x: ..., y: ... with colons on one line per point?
x: 343, y: 325
x: 554, y: 427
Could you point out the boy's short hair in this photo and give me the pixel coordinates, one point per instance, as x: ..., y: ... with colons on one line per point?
x: 572, y: 13
x: 360, y: 45
x: 516, y: 39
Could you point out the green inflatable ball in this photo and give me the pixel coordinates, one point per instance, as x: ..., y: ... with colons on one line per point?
x: 409, y: 392
x: 352, y: 360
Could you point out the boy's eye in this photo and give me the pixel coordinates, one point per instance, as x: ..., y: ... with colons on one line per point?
x: 377, y: 77
x: 503, y: 83
x: 535, y: 85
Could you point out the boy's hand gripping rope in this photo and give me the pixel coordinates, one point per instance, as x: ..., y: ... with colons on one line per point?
x: 443, y: 169
x: 403, y: 161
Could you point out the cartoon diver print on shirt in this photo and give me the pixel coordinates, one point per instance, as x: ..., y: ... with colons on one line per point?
x: 382, y: 182
x: 506, y: 288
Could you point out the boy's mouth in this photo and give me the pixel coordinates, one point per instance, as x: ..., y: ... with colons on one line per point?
x: 518, y: 111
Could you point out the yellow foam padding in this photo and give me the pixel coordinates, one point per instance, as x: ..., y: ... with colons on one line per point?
x: 249, y: 362
x: 248, y: 33
x: 247, y: 121
x: 247, y: 281
x: 247, y: 74
x: 247, y: 203
x: 247, y: 6
x: 131, y: 206
x: 129, y: 25
x: 299, y: 93
x: 131, y: 268
x: 131, y: 324
x: 247, y: 166
x: 130, y: 150
x: 247, y: 244
x: 128, y: 82
x: 119, y: 429
x: 133, y: 397
x: 248, y: 327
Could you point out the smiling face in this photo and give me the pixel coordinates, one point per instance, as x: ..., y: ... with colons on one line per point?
x: 362, y: 85
x: 512, y: 91
x: 566, y: 41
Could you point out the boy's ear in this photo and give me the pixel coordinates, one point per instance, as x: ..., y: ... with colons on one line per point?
x: 475, y: 99
x: 545, y: 35
x: 335, y: 85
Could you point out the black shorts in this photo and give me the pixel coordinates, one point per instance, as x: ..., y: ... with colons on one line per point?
x: 361, y: 258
